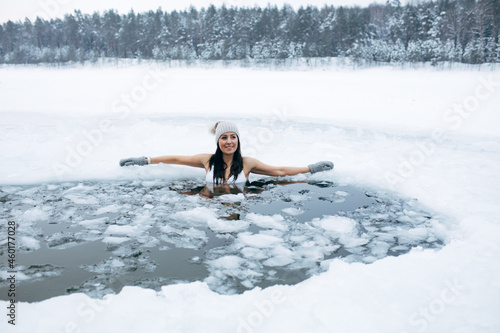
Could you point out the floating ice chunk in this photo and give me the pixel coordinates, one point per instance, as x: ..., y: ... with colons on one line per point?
x: 379, y: 216
x: 258, y: 240
x: 192, y: 199
x: 168, y: 229
x: 309, y: 254
x: 148, y: 206
x: 279, y: 257
x: 114, y: 240
x: 420, y: 232
x: 272, y: 232
x: 170, y: 199
x: 227, y: 263
x: 370, y: 259
x: 198, y: 215
x: 151, y: 183
x: 85, y: 199
x: 225, y: 269
x: 232, y: 197
x: 35, y: 214
x: 4, y: 275
x: 28, y: 192
x: 108, y: 209
x: 29, y: 243
x: 337, y: 224
x: 298, y: 197
x: 80, y: 188
x: 127, y: 230
x: 29, y: 201
x: 247, y: 284
x: 115, y: 263
x: 280, y: 250
x: 309, y: 243
x: 278, y: 261
x: 191, y: 238
x: 342, y: 193
x: 253, y: 253
x: 110, y: 265
x: 38, y: 272
x: 400, y: 248
x: 410, y: 212
x: 352, y: 242
x: 299, y: 239
x: 293, y: 211
x: 378, y: 248
x: 143, y: 220
x: 338, y: 200
x: 321, y: 240
x: 127, y: 251
x: 412, y: 236
x: 94, y: 223
x: 148, y: 241
x: 62, y: 240
x: 386, y: 237
x: 219, y: 225
x: 194, y: 233
x: 88, y: 235
x: 272, y: 222
x: 195, y: 260
x: 66, y: 214
x: 405, y: 219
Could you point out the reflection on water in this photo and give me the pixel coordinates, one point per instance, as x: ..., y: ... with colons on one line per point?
x: 97, y: 237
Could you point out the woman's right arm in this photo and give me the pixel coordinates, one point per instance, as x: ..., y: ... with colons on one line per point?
x: 199, y: 160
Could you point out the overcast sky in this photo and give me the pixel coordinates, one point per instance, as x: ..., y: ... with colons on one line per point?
x: 20, y: 9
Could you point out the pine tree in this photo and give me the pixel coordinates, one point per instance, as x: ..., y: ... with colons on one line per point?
x: 490, y: 50
x: 432, y: 31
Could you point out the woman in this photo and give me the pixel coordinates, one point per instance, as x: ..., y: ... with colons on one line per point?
x: 227, y: 166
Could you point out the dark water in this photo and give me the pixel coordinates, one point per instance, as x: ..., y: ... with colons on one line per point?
x: 73, y: 256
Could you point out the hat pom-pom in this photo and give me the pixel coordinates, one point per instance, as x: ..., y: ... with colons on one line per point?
x: 214, y: 127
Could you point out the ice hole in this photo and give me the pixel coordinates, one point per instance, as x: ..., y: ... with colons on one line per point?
x: 96, y: 237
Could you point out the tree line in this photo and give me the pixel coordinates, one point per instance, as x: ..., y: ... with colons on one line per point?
x: 433, y: 31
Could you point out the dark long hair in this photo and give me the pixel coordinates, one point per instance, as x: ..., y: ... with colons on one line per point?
x: 217, y: 163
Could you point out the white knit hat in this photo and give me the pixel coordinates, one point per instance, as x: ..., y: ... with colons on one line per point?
x: 222, y: 127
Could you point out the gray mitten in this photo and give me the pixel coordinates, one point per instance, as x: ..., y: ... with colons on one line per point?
x: 320, y: 166
x: 133, y: 161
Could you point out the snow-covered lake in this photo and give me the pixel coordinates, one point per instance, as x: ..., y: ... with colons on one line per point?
x: 425, y: 140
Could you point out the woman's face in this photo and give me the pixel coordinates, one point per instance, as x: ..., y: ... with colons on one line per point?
x: 228, y: 142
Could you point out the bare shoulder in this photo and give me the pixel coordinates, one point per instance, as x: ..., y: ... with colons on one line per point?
x: 250, y: 162
x: 203, y: 158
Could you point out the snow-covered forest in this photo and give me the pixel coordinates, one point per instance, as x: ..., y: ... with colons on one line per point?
x: 464, y: 31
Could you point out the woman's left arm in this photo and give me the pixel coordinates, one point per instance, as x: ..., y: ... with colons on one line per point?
x: 260, y: 168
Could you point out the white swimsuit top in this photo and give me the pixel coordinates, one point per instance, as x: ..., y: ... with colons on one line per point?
x: 209, y: 178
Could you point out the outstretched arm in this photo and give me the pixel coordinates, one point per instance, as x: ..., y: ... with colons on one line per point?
x: 199, y: 161
x: 260, y: 168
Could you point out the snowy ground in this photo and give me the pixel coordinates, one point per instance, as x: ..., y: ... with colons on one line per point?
x: 425, y: 134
